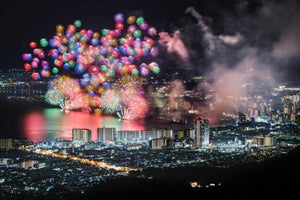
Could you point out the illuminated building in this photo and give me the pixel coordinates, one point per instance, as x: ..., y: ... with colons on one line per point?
x: 158, y: 143
x: 29, y: 164
x: 180, y: 134
x: 6, y: 143
x: 269, y: 141
x: 260, y: 141
x: 167, y: 133
x: 287, y: 109
x: 296, y: 98
x: 255, y: 114
x: 13, y: 90
x: 12, y: 143
x: 164, y: 133
x: 81, y: 135
x: 106, y: 134
x: 201, y: 127
x: 134, y: 136
x: 293, y: 117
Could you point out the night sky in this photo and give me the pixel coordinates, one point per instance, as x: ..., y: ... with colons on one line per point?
x: 23, y: 22
x: 228, y: 33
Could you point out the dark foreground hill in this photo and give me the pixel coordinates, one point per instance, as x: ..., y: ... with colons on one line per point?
x: 275, y: 178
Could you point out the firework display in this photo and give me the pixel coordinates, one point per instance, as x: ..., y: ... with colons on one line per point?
x: 101, y: 71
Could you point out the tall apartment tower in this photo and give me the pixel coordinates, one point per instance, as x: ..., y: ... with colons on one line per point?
x: 82, y: 134
x: 106, y: 134
x: 201, y: 127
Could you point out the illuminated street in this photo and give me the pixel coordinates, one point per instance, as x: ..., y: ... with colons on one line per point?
x: 86, y: 161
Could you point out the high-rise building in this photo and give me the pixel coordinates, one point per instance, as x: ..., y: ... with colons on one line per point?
x: 201, y: 127
x: 106, y: 134
x: 163, y: 132
x: 81, y: 134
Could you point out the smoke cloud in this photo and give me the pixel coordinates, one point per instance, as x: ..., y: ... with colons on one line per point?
x: 231, y: 40
x: 174, y: 108
x: 289, y: 42
x: 249, y: 53
x: 208, y: 37
x: 174, y: 44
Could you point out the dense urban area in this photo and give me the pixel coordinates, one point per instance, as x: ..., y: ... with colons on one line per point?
x: 265, y: 129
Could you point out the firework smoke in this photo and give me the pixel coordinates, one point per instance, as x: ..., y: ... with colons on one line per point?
x: 247, y: 53
x: 174, y: 108
x: 174, y: 44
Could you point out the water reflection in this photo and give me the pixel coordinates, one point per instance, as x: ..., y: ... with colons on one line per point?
x: 51, y: 123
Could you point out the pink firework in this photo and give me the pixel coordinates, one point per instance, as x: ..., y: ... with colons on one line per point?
x: 138, y: 107
x: 66, y: 85
x: 80, y: 101
x: 95, y: 101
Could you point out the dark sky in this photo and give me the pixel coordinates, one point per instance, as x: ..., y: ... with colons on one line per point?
x: 22, y: 22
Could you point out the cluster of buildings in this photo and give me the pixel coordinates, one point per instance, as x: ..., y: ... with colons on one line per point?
x: 282, y: 105
x: 155, y: 138
x: 201, y: 136
x: 258, y: 135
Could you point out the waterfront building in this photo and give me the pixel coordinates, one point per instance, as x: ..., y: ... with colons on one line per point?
x: 81, y: 135
x: 163, y: 133
x: 137, y: 136
x: 105, y: 134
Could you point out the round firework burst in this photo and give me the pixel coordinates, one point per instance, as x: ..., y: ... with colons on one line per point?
x: 129, y: 86
x: 54, y: 97
x: 110, y: 101
x: 138, y: 107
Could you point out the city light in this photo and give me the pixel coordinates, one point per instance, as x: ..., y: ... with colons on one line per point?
x: 86, y: 161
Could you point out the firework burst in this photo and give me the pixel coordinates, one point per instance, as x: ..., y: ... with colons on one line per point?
x: 110, y: 101
x: 54, y: 97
